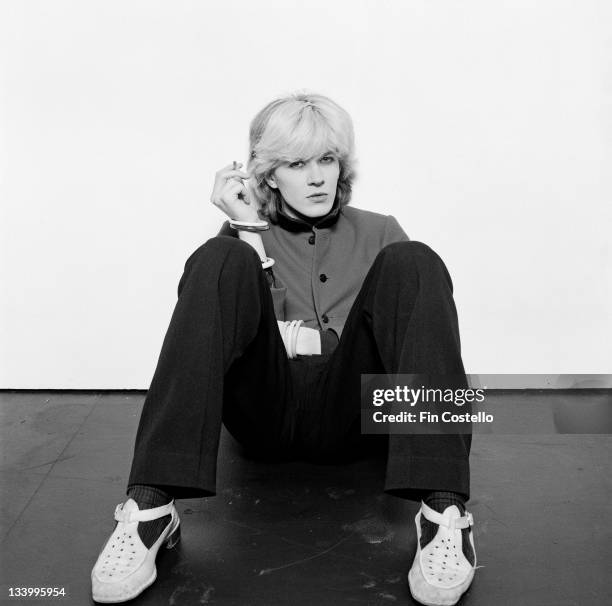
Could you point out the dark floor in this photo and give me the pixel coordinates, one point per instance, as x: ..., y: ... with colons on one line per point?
x: 296, y: 534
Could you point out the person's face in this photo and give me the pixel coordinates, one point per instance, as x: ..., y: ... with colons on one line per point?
x: 308, y: 186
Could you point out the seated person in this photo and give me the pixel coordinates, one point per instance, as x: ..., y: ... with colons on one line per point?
x: 277, y: 318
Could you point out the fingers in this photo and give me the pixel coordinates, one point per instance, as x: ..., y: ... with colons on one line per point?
x: 229, y: 191
x: 242, y: 192
x: 232, y: 174
x: 234, y: 188
x: 233, y: 166
x: 232, y: 170
x: 233, y: 191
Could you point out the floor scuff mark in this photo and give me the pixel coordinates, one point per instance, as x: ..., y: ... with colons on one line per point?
x: 338, y: 493
x: 371, y: 529
x: 387, y: 596
x: 205, y: 597
x: 312, y: 557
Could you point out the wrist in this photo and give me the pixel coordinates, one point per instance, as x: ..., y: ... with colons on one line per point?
x: 255, y: 240
x: 249, y: 226
x: 249, y: 218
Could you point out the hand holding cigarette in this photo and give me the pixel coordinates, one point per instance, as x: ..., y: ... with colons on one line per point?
x: 230, y: 194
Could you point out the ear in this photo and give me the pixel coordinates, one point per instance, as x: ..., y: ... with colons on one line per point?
x: 271, y: 181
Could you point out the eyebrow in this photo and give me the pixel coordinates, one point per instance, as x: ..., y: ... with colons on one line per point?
x: 327, y: 153
x: 302, y: 159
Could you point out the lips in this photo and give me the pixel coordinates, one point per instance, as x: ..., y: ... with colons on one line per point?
x: 319, y: 195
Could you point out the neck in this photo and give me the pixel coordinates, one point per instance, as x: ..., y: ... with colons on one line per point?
x: 292, y: 212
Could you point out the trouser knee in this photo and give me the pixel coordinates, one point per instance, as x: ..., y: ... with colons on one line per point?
x: 222, y: 257
x: 410, y: 253
x: 411, y: 259
x: 222, y: 248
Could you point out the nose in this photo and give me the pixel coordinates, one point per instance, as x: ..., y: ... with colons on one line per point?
x: 315, y: 175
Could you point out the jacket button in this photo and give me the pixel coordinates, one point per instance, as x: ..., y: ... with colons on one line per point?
x: 325, y: 318
x: 323, y: 278
x: 311, y: 240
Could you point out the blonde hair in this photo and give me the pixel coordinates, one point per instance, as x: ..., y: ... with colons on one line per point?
x: 298, y: 127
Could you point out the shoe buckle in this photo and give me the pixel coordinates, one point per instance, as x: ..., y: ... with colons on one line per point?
x: 121, y: 515
x: 118, y: 512
x: 464, y: 522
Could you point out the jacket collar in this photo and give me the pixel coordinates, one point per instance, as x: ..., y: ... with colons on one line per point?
x: 303, y: 223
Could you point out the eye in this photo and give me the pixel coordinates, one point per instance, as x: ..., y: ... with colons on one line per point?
x: 327, y: 159
x: 296, y: 164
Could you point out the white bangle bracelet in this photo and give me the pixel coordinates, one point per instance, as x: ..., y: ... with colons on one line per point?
x: 294, y: 337
x: 291, y: 338
x: 267, y: 263
x: 288, y: 333
x: 249, y: 225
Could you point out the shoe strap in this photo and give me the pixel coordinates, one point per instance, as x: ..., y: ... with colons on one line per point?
x: 460, y: 523
x: 142, y: 515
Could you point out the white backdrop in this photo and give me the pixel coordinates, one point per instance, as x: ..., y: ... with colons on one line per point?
x: 484, y: 127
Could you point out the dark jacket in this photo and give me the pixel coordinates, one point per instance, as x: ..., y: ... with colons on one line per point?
x: 320, y: 267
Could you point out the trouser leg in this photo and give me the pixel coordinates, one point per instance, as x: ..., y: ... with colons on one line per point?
x: 403, y: 321
x: 223, y: 326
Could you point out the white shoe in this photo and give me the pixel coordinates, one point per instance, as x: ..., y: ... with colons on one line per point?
x: 440, y: 573
x: 125, y: 567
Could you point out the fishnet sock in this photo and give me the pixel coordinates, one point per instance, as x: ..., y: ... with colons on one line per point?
x: 149, y: 497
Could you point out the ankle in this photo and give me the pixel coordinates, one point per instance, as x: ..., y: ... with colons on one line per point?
x: 439, y: 500
x: 148, y: 496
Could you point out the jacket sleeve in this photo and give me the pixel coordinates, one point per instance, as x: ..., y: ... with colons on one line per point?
x: 226, y: 230
x: 279, y: 294
x: 393, y: 232
x: 277, y: 289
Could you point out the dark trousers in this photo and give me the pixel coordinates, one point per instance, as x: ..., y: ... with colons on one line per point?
x: 223, y: 361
